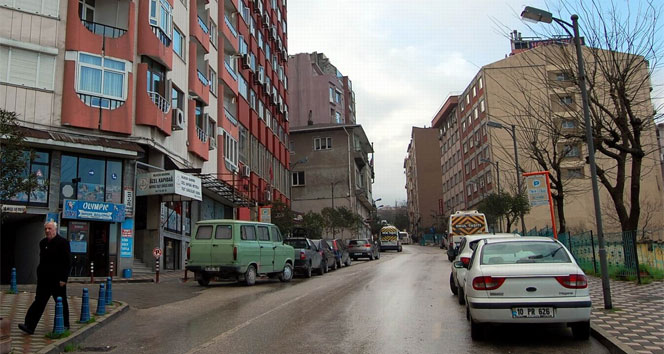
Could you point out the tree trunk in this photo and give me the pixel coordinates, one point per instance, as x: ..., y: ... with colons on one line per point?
x: 560, y: 208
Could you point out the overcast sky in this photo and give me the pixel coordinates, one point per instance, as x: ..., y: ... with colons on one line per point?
x: 404, y: 58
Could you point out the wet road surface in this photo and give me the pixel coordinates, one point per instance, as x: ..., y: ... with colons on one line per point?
x: 398, y: 304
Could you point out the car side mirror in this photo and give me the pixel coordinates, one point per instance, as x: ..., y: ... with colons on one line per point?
x: 459, y: 264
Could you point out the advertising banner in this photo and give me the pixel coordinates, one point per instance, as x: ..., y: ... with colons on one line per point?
x: 169, y: 182
x: 99, y: 211
x: 127, y: 239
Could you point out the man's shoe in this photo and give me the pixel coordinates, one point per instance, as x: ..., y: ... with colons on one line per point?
x: 25, y: 328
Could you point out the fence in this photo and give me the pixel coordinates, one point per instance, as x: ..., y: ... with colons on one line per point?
x: 624, y: 250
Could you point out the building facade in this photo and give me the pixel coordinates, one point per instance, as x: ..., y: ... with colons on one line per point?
x: 331, y: 168
x: 158, y: 113
x: 423, y: 182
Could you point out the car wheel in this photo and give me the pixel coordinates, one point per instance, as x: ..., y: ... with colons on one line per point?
x: 453, y: 286
x: 287, y: 273
x: 203, y: 281
x: 581, y: 330
x: 461, y: 296
x: 476, y: 330
x: 250, y: 276
x: 307, y: 271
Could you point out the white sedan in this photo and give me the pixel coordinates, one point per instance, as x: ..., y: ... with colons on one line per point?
x: 526, y: 280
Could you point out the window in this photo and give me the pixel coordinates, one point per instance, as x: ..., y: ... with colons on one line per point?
x: 178, y: 43
x: 480, y: 83
x: 331, y: 95
x: 176, y: 215
x: 298, y: 178
x: 177, y: 98
x: 260, y: 40
x: 230, y: 151
x: 200, y: 122
x: 101, y: 77
x: 248, y: 232
x: 566, y: 100
x: 263, y: 233
x: 474, y: 91
x: 252, y: 99
x: 213, y: 34
x: 469, y: 191
x: 260, y: 109
x: 161, y: 16
x: 475, y: 113
x: 568, y: 124
x: 482, y: 108
x: 243, y: 152
x: 337, y: 96
x: 242, y: 87
x: 276, y: 234
x: 467, y: 99
x: 223, y: 232
x: 563, y: 76
x: 322, y: 143
x: 157, y: 83
x: 242, y: 45
x: 213, y: 81
x: 37, y: 164
x: 91, y: 179
x: 337, y: 116
x: 571, y: 151
x: 27, y: 68
x: 267, y: 51
x: 41, y: 7
x: 463, y: 125
x: 573, y: 172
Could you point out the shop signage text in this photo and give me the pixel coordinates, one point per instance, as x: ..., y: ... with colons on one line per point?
x: 129, y: 201
x: 127, y: 239
x: 85, y: 210
x: 14, y: 209
x: 169, y: 182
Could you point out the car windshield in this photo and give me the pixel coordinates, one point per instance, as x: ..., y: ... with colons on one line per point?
x: 523, y: 252
x: 357, y: 242
x: 296, y: 243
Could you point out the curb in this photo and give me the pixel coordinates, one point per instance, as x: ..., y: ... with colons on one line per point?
x: 115, y: 280
x: 609, y: 341
x: 59, y: 346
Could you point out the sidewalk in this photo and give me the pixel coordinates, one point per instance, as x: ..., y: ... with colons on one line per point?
x: 636, y: 322
x: 138, y: 278
x: 14, y: 307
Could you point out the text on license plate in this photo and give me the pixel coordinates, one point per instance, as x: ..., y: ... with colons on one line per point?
x: 532, y: 312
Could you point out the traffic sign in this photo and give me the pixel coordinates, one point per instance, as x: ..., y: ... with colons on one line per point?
x: 156, y: 252
x: 538, y: 193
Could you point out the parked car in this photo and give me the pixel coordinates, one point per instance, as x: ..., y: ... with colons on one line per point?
x: 242, y: 250
x: 466, y: 249
x: 307, y: 257
x: 526, y: 280
x: 340, y: 252
x: 363, y: 248
x: 329, y: 261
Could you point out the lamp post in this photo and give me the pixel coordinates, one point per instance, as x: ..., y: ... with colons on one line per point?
x: 512, y: 133
x: 537, y: 15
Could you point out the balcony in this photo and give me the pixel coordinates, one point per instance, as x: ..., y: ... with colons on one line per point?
x: 231, y: 28
x: 94, y: 112
x: 111, y: 35
x: 198, y: 27
x: 197, y: 142
x: 199, y: 85
x: 151, y: 108
x: 230, y: 117
x: 152, y: 40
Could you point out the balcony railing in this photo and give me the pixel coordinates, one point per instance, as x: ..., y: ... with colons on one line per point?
x: 201, y: 134
x: 230, y: 26
x: 230, y: 70
x: 230, y: 117
x: 101, y: 102
x: 163, y: 104
x: 163, y: 37
x: 202, y: 78
x: 104, y: 30
x: 204, y: 27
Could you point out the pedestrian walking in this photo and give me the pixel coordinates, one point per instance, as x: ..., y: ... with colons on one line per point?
x: 52, y: 273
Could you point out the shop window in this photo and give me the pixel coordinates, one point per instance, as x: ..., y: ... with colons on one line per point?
x: 37, y: 164
x: 176, y: 216
x: 91, y: 179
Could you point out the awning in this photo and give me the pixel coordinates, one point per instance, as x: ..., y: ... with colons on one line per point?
x: 225, y: 190
x: 77, y: 142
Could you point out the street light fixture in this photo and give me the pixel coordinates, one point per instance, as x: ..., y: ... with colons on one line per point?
x: 537, y: 15
x: 512, y: 133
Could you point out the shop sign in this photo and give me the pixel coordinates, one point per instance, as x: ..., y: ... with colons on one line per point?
x: 14, y: 209
x: 169, y: 182
x: 127, y: 239
x: 100, y: 211
x: 129, y: 201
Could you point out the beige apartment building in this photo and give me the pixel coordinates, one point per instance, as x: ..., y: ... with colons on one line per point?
x: 423, y: 175
x: 530, y: 91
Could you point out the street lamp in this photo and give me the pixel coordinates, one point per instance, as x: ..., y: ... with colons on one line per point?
x: 537, y: 15
x: 512, y: 133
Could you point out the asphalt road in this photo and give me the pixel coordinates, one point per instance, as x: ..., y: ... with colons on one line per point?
x: 398, y: 304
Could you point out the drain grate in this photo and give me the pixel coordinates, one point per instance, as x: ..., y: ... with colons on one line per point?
x: 106, y: 348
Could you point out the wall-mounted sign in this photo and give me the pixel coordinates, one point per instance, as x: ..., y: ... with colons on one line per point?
x: 265, y: 215
x: 169, y: 182
x: 85, y: 210
x: 127, y: 239
x: 14, y: 209
x: 129, y: 201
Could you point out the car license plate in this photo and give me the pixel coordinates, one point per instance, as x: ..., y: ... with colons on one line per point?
x: 532, y: 312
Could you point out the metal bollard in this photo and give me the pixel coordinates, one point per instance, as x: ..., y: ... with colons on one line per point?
x: 59, y: 321
x: 92, y: 272
x: 12, y: 287
x: 109, y: 292
x: 101, y: 305
x: 85, y: 307
x: 185, y: 269
x: 110, y: 271
x: 157, y: 269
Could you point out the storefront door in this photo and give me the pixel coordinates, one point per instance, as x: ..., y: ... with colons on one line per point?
x: 99, y: 247
x: 171, y: 253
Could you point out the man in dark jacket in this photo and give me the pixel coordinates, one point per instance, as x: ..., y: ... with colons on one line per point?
x: 52, y: 273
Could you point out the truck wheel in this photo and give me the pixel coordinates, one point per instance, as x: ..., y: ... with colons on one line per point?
x: 250, y: 276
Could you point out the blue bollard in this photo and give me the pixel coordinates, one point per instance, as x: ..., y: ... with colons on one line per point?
x: 109, y: 292
x: 85, y: 307
x: 59, y: 322
x: 12, y: 287
x: 101, y: 301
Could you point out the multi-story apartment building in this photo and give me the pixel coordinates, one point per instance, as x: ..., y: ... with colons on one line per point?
x: 331, y: 168
x: 319, y: 93
x: 423, y: 177
x: 497, y: 94
x: 146, y: 116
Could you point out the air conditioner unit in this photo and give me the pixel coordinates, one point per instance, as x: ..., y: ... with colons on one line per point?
x: 273, y: 32
x: 266, y: 20
x: 281, y: 107
x: 246, y: 61
x: 258, y: 6
x: 178, y: 119
x: 274, y: 98
x: 266, y: 88
x: 246, y: 171
x: 258, y: 78
x: 213, y: 143
x: 268, y: 196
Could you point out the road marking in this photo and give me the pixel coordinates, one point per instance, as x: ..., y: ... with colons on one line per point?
x: 242, y: 325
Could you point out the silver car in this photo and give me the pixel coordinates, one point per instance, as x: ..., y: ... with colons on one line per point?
x: 363, y: 248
